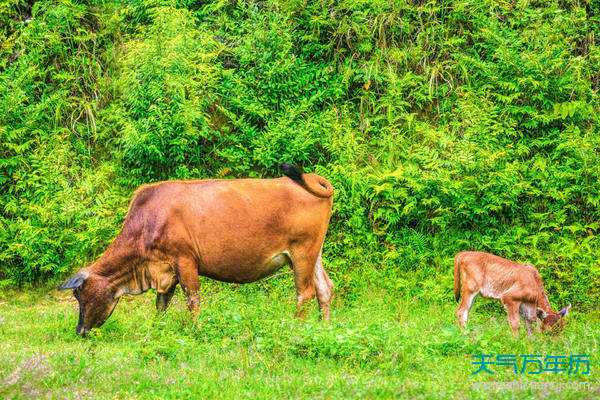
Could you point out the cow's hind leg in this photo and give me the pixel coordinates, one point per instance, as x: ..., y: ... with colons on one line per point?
x: 466, y: 301
x: 187, y: 274
x: 324, y: 288
x: 304, y: 270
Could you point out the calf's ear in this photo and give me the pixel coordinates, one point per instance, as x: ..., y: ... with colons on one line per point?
x: 541, y: 313
x: 75, y: 281
x: 563, y: 313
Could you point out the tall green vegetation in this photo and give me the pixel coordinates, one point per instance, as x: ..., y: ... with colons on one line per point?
x: 443, y: 125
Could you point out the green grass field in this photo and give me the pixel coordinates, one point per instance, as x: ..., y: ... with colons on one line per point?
x: 246, y: 343
x: 444, y: 126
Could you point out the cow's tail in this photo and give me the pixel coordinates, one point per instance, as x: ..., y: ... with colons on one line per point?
x: 315, y: 184
x: 457, y: 277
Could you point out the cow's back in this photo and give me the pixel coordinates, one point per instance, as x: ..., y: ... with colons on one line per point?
x: 496, y: 276
x: 226, y: 225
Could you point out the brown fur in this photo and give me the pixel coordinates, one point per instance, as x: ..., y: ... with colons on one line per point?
x: 518, y: 286
x: 230, y: 230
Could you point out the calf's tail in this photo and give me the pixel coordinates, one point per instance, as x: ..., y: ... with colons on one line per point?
x: 315, y: 184
x: 457, y: 277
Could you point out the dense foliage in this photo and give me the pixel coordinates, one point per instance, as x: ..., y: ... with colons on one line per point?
x: 443, y: 125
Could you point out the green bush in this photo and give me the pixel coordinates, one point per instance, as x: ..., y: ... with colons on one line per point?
x: 443, y: 126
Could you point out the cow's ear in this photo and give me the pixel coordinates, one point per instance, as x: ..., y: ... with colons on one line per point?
x: 563, y: 313
x: 541, y: 313
x: 75, y: 281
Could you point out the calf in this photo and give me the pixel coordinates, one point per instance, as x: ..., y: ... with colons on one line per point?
x: 519, y: 287
x: 238, y: 230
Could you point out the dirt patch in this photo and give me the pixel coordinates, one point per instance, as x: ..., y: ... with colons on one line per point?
x: 28, y: 373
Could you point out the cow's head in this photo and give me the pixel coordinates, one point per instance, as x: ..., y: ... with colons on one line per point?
x: 552, y: 321
x: 96, y: 299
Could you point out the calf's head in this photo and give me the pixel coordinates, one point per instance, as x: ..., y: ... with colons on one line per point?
x: 552, y: 321
x: 96, y: 299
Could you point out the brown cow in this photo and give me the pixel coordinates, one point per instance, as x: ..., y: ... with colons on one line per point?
x: 238, y: 230
x: 518, y: 286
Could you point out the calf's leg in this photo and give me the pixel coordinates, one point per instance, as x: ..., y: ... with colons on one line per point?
x: 466, y: 301
x: 528, y: 324
x: 528, y: 311
x: 512, y: 308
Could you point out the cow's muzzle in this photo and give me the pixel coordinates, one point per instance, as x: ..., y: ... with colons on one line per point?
x: 81, y: 330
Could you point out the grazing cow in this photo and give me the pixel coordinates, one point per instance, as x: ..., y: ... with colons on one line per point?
x: 519, y: 287
x: 238, y: 230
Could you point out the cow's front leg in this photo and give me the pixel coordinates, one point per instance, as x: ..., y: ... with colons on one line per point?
x: 164, y: 298
x: 187, y: 273
x: 528, y: 325
x: 512, y: 308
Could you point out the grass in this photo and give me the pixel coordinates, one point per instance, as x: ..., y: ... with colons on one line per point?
x: 246, y: 343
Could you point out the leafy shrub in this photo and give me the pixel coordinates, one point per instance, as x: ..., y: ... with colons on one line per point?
x: 443, y: 127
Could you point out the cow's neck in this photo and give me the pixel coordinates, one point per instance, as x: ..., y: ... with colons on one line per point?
x: 543, y: 302
x: 131, y: 277
x: 135, y: 280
